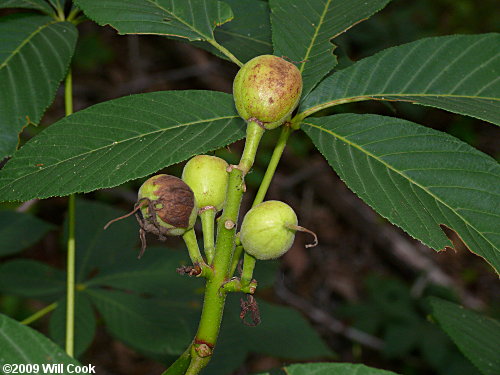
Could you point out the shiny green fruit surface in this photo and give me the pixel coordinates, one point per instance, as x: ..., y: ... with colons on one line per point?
x: 266, y: 230
x: 267, y: 88
x: 171, y: 208
x: 207, y: 176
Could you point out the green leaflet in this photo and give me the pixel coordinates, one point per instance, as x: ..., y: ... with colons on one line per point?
x: 19, y: 231
x: 23, y: 345
x: 35, y: 55
x: 244, y: 37
x: 191, y: 19
x: 40, y: 5
x: 478, y: 337
x: 416, y: 177
x: 302, y: 30
x: 120, y: 140
x: 458, y: 73
x: 85, y: 323
x: 329, y: 369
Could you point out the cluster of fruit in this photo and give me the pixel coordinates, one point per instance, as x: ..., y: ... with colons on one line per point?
x: 266, y: 91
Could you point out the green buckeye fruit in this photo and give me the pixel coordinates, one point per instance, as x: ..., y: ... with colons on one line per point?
x: 267, y: 89
x: 207, y: 176
x: 268, y: 230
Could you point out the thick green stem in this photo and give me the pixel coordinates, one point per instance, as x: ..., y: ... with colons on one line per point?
x: 207, y: 224
x: 189, y: 238
x: 254, y: 135
x: 40, y: 313
x: 273, y: 164
x: 70, y: 267
x: 215, y: 295
x: 213, y: 304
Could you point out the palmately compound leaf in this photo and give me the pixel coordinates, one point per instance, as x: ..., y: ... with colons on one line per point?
x: 40, y: 5
x: 23, y: 345
x: 191, y: 19
x: 418, y: 178
x: 35, y: 54
x: 113, y: 142
x: 458, y: 73
x: 302, y: 30
x: 477, y: 336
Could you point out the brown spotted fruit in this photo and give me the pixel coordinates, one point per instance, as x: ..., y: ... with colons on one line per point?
x: 267, y: 89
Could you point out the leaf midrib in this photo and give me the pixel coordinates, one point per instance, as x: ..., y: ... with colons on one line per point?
x: 331, y: 103
x: 119, y: 142
x: 243, y: 36
x: 315, y: 36
x: 26, y: 41
x: 345, y: 140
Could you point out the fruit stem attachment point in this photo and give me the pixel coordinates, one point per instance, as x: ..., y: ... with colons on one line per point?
x: 254, y: 135
x: 207, y: 216
x: 189, y: 238
x: 302, y: 229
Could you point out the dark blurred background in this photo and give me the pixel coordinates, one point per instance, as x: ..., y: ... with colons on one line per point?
x: 363, y: 287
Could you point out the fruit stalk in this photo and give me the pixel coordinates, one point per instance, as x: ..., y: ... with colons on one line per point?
x: 254, y: 135
x: 248, y: 267
x: 273, y: 164
x: 207, y: 224
x: 189, y: 238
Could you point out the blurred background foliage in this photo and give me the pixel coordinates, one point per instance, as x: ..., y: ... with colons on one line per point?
x: 359, y: 278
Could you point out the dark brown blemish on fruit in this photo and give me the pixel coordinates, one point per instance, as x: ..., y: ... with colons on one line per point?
x: 176, y: 200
